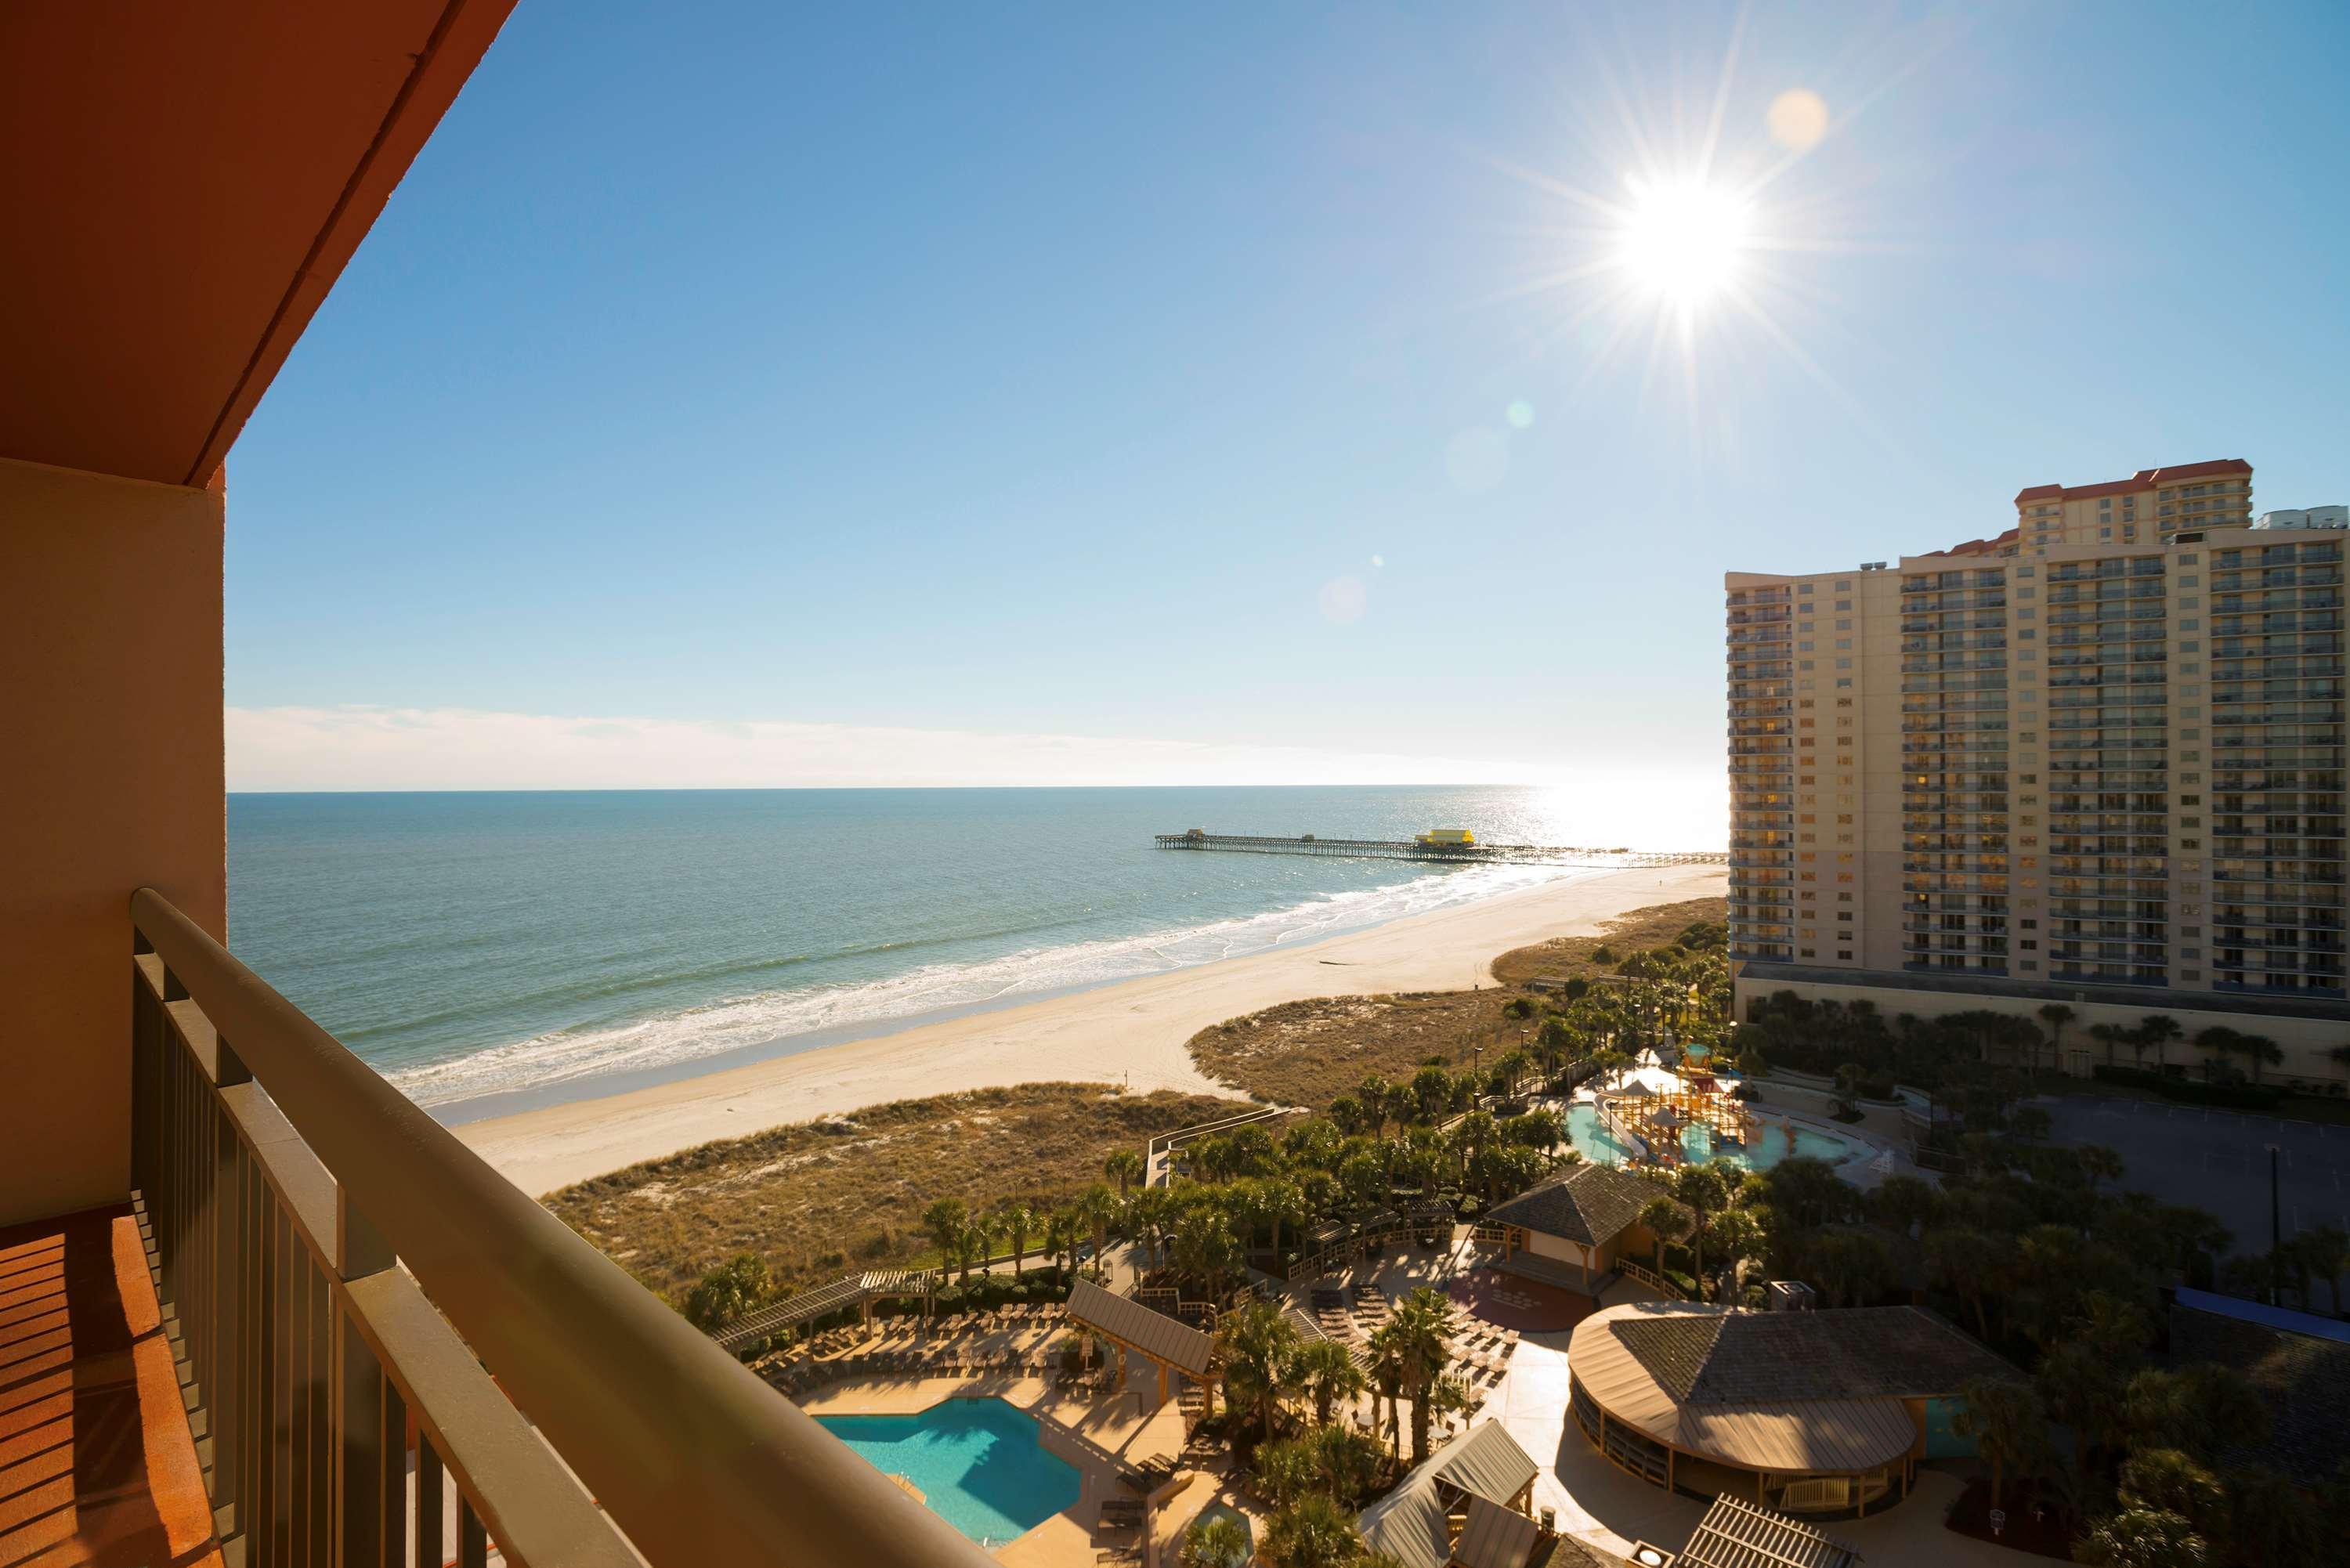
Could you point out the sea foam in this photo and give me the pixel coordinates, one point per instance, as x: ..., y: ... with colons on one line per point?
x: 671, y: 1042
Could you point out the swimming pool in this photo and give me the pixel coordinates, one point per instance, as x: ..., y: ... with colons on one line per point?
x: 976, y: 1463
x: 1774, y: 1141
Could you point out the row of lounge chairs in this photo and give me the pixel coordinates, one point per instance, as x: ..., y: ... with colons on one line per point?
x: 795, y: 1378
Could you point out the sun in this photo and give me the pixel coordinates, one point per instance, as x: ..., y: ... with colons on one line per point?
x: 1682, y: 240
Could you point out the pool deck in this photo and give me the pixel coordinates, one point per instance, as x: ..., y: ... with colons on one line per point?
x: 1096, y: 1434
x: 1599, y: 1506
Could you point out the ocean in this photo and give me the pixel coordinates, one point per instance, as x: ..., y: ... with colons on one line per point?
x: 489, y: 952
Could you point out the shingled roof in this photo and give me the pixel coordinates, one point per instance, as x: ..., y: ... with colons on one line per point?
x: 1787, y: 1357
x: 2303, y: 1378
x: 1591, y: 1204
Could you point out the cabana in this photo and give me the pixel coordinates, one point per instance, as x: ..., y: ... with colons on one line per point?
x: 1806, y: 1411
x: 1137, y: 1330
x: 1569, y: 1229
x: 1461, y: 1501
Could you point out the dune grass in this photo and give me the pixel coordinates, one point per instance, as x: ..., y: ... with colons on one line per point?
x: 814, y: 1199
x: 1309, y: 1053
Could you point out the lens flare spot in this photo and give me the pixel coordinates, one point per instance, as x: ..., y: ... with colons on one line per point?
x: 1344, y: 599
x: 1521, y: 414
x: 1797, y: 117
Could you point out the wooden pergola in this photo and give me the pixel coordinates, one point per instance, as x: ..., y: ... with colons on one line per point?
x: 1136, y: 1330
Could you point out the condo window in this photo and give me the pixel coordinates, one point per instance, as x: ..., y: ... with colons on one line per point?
x: 1843, y: 682
x: 1844, y: 955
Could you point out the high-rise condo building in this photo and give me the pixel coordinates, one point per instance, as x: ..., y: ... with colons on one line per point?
x: 2097, y: 760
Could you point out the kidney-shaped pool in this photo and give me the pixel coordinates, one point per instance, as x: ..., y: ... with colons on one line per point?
x: 977, y: 1463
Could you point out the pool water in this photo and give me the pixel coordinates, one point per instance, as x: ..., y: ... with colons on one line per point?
x: 1773, y: 1142
x: 976, y: 1463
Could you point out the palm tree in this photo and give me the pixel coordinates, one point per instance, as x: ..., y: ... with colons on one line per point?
x: 2010, y: 1429
x: 1219, y: 1541
x: 2219, y: 1040
x: 1061, y: 1231
x: 1258, y: 1347
x: 979, y: 1233
x: 1665, y: 1220
x: 1418, y: 1334
x: 1315, y: 1533
x: 1125, y: 1168
x: 1095, y: 1209
x: 2055, y: 1015
x: 1286, y: 1470
x: 2160, y: 1029
x: 1970, y: 1261
x: 1349, y: 1463
x: 1705, y: 1192
x: 741, y: 1285
x: 2099, y: 1163
x: 1280, y: 1203
x: 944, y: 1219
x: 1019, y: 1222
x: 1327, y: 1371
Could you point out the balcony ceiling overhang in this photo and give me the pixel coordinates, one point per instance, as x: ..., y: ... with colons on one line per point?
x: 181, y: 185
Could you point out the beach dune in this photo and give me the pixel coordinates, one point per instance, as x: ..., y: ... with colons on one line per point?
x: 1133, y: 1031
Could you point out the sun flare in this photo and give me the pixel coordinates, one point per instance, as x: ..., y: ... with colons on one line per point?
x: 1682, y: 240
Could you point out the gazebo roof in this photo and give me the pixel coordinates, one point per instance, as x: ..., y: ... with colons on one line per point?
x: 1591, y: 1204
x: 1798, y: 1393
x: 1163, y: 1339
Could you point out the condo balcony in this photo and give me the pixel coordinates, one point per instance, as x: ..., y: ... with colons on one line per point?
x: 366, y: 1341
x: 256, y: 1308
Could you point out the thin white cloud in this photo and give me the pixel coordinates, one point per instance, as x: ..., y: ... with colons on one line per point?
x: 368, y: 748
x: 362, y: 748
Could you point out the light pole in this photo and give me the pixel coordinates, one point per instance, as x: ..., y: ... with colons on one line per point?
x: 2276, y: 1211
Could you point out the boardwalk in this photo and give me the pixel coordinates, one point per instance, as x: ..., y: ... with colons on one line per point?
x: 1475, y: 853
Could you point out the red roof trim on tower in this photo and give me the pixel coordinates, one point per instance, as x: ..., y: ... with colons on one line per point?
x: 2144, y: 479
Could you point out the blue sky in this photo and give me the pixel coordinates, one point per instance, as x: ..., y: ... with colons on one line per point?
x: 1018, y: 373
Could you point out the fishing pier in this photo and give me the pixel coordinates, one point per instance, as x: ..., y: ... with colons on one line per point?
x: 1449, y: 852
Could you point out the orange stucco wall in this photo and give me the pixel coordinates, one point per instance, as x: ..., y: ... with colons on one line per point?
x: 111, y: 777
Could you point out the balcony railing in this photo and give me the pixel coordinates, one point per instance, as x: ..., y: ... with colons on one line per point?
x: 340, y: 1271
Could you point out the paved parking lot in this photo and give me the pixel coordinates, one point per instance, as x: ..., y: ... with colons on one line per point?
x: 2217, y: 1160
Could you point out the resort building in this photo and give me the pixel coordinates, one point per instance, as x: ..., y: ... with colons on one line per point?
x: 255, y: 1307
x: 1465, y: 1505
x: 1573, y: 1228
x: 2305, y: 518
x: 1805, y: 1412
x: 2096, y: 759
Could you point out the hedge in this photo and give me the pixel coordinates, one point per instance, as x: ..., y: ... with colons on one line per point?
x: 2240, y: 1096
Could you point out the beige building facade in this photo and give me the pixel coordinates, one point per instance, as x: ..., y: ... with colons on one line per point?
x: 2096, y: 759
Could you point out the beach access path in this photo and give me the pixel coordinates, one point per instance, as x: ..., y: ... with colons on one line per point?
x: 1132, y: 1032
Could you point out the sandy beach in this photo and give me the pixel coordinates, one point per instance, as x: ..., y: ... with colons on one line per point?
x: 1133, y: 1031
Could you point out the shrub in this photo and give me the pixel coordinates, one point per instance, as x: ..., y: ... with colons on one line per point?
x: 2238, y: 1097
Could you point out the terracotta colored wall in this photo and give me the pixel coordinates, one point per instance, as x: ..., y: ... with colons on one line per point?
x: 110, y: 776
